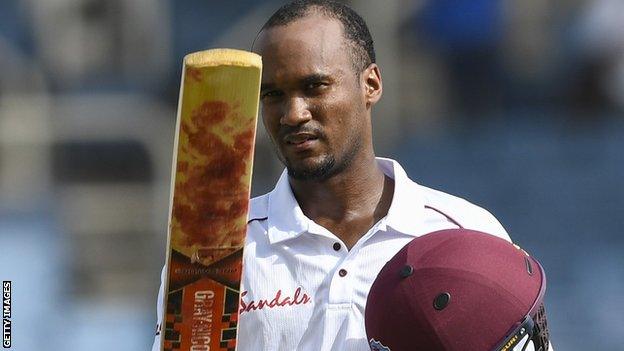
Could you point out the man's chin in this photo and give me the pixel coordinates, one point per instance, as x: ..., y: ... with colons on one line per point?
x: 314, y: 171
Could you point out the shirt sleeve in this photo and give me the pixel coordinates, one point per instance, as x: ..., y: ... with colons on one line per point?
x: 487, y: 223
x: 159, y: 312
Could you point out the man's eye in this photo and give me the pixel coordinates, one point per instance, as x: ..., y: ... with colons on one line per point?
x: 270, y: 94
x: 316, y: 85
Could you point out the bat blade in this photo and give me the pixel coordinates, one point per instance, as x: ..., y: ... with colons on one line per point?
x: 211, y: 181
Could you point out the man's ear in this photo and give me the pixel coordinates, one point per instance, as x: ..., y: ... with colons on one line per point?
x: 372, y: 84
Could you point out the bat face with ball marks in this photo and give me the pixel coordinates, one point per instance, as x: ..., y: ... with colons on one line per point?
x: 211, y: 182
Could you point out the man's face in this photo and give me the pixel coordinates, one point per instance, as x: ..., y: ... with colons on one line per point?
x: 313, y: 103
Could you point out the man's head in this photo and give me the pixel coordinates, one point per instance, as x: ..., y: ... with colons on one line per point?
x: 319, y: 83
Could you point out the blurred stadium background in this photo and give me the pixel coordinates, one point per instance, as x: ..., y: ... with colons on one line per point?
x: 516, y: 105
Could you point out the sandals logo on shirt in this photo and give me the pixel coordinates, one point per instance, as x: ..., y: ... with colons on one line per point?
x: 280, y: 300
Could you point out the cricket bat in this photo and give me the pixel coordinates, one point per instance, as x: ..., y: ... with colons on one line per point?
x: 211, y: 181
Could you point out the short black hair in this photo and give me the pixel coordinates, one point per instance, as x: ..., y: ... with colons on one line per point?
x: 355, y: 29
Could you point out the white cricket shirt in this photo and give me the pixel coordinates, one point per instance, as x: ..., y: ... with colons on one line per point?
x: 303, y: 290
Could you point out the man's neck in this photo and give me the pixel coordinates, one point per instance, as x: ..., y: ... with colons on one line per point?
x: 348, y: 203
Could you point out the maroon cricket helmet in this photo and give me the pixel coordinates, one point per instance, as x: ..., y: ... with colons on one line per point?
x: 454, y: 290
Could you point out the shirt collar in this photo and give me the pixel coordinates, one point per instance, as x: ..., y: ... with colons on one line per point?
x: 407, y: 209
x: 286, y: 220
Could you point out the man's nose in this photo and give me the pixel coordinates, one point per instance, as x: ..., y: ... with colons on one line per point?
x: 296, y: 112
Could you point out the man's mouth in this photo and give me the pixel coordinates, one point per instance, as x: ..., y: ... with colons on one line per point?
x: 300, y: 142
x: 299, y: 138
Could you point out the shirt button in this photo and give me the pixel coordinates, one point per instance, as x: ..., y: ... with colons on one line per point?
x: 337, y: 246
x: 342, y: 272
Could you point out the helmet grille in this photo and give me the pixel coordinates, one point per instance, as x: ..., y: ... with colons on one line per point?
x: 540, y: 330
